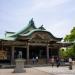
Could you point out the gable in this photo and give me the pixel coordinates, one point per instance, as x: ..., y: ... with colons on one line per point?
x: 31, y: 32
x: 38, y: 35
x: 41, y: 36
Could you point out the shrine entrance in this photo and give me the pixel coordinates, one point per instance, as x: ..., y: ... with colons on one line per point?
x: 39, y: 51
x: 53, y: 52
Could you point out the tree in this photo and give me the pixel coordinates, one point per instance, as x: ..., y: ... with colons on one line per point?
x: 71, y: 36
x: 62, y: 53
x: 70, y: 51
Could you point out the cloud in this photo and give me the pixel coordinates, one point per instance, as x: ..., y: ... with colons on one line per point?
x: 57, y: 15
x: 41, y: 4
x: 60, y: 28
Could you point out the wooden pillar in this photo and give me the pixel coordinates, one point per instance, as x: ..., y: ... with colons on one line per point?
x: 47, y: 53
x: 27, y: 53
x: 12, y: 55
x: 51, y: 52
x: 58, y: 51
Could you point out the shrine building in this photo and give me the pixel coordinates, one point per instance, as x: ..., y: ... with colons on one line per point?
x: 32, y: 42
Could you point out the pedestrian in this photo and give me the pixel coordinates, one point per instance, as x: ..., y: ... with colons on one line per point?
x: 62, y: 61
x: 33, y: 60
x: 70, y: 63
x: 57, y: 62
x: 52, y: 61
x: 36, y: 59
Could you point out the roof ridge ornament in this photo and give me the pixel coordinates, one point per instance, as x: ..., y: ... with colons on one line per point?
x: 31, y: 22
x: 41, y: 27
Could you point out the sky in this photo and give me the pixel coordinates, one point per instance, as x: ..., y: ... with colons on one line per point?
x: 57, y: 16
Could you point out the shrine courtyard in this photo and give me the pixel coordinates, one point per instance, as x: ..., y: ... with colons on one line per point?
x: 44, y: 70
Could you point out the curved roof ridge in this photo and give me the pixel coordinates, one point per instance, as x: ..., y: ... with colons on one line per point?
x: 25, y: 29
x: 40, y: 30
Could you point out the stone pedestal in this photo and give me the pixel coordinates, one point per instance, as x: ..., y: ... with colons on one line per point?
x: 19, y: 66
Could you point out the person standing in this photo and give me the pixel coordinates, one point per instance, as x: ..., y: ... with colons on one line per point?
x: 52, y: 61
x: 58, y: 62
x: 70, y: 63
x: 36, y: 59
x: 33, y: 60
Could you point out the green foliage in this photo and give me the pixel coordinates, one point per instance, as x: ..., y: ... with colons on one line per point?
x: 62, y: 53
x: 70, y: 51
x: 71, y: 36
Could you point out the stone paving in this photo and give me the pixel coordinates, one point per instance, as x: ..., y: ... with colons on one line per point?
x: 29, y: 71
x: 48, y: 70
x: 57, y: 71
